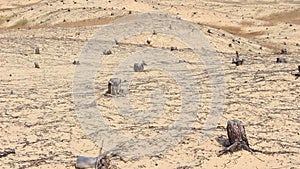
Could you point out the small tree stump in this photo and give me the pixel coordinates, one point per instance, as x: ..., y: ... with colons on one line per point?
x: 107, y: 52
x: 173, y: 48
x: 283, y: 51
x: 37, y: 50
x: 103, y: 162
x: 139, y: 67
x: 237, y: 137
x: 281, y: 60
x: 36, y: 65
x: 114, y: 86
x: 297, y: 74
x: 76, y: 62
x: 237, y: 60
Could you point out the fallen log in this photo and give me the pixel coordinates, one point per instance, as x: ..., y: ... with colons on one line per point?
x: 100, y: 162
x: 86, y: 162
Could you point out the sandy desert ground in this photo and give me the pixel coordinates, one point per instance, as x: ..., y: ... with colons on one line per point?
x: 38, y: 117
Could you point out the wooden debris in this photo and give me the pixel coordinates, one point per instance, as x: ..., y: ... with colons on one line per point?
x: 36, y: 65
x: 139, y: 67
x: 237, y: 60
x: 237, y: 137
x: 6, y: 152
x: 114, y: 86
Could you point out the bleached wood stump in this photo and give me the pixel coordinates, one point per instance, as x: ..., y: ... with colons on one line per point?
x: 114, y: 86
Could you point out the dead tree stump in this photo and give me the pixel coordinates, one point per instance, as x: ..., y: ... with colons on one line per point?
x: 103, y: 162
x: 139, y: 67
x: 76, y: 62
x: 237, y: 137
x: 283, y: 51
x: 281, y: 60
x: 37, y: 50
x: 107, y: 52
x: 36, y: 65
x: 114, y: 86
x: 237, y: 60
x: 297, y: 74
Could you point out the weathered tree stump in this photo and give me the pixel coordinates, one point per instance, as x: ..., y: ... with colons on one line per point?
x: 114, y: 86
x: 139, y: 67
x: 281, y: 60
x: 237, y: 137
x: 36, y: 65
x: 237, y: 60
x: 37, y: 50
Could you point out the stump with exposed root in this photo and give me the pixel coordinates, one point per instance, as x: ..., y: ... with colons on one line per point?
x: 114, y: 86
x: 237, y: 137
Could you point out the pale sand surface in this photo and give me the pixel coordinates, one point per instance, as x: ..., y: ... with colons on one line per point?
x: 39, y: 121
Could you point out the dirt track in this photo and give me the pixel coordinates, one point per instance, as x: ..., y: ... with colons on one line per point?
x: 37, y: 112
